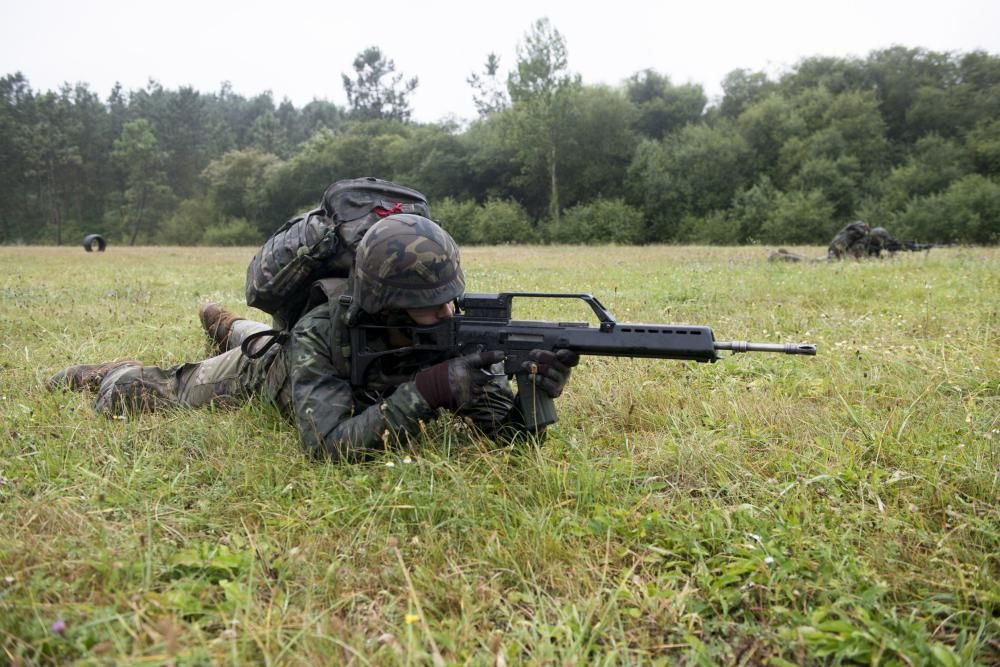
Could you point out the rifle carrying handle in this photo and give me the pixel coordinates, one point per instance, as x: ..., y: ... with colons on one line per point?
x: 537, y: 407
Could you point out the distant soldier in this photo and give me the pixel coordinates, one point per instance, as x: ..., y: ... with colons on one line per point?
x: 851, y: 241
x: 880, y: 239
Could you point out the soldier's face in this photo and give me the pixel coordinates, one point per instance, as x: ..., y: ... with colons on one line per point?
x: 430, y: 316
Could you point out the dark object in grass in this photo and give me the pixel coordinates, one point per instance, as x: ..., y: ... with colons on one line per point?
x: 90, y: 240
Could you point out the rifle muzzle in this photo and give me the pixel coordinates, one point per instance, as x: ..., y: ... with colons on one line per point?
x: 737, y: 346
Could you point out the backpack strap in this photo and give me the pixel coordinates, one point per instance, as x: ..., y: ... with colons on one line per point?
x: 323, y: 291
x: 329, y: 290
x: 277, y: 338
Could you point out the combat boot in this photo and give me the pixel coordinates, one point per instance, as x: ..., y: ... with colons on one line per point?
x: 86, y: 376
x: 218, y: 324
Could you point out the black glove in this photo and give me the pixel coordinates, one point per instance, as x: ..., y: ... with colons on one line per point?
x: 550, y: 370
x: 457, y: 382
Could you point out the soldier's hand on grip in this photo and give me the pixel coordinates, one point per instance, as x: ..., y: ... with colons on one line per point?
x: 551, y: 370
x: 457, y: 382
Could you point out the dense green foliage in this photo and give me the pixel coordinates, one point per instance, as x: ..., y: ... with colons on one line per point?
x: 905, y: 138
x: 764, y: 510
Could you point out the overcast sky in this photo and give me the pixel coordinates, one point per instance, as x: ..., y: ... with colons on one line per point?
x: 299, y: 48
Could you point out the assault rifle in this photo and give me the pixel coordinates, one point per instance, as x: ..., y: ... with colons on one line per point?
x: 483, y: 322
x: 911, y: 246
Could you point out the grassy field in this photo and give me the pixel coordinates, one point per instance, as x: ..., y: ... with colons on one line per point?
x: 762, y: 510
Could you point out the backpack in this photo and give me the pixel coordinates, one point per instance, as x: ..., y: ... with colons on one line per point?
x: 321, y: 244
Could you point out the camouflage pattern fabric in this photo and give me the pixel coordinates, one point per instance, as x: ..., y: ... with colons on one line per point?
x: 858, y: 249
x: 335, y: 419
x: 228, y: 378
x: 880, y: 239
x: 850, y: 241
x: 406, y: 261
x: 782, y: 255
x: 343, y: 422
x: 321, y: 243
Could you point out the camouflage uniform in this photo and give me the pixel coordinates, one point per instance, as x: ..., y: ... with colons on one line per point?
x: 228, y: 378
x: 851, y: 241
x: 308, y: 376
x: 880, y: 239
x: 782, y: 255
x: 340, y: 420
x: 408, y: 263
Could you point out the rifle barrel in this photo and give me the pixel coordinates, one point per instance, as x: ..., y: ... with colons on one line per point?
x: 783, y: 348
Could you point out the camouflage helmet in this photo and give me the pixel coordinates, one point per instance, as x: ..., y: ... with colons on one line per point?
x: 406, y: 261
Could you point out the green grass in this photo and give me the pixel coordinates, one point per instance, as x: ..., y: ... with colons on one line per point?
x: 761, y: 510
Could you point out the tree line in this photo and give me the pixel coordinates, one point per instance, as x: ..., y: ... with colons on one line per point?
x: 904, y: 138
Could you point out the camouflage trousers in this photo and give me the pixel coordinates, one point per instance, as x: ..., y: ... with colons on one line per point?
x: 226, y: 379
x: 841, y: 249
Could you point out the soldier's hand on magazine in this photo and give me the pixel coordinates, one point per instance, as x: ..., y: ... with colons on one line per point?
x: 551, y: 370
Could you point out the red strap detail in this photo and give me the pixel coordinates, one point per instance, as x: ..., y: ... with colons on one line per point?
x: 382, y: 212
